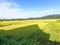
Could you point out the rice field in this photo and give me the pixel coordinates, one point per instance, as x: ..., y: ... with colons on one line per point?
x: 25, y: 28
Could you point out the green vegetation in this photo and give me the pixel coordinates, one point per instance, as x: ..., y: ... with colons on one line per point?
x: 30, y: 32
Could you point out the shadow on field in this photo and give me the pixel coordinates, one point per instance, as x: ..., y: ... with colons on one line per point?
x: 29, y: 35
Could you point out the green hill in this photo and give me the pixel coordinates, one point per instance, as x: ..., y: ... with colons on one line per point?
x: 55, y: 16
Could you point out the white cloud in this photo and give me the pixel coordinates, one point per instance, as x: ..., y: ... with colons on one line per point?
x: 11, y: 10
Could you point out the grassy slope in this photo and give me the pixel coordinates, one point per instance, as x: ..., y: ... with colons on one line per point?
x: 52, y: 27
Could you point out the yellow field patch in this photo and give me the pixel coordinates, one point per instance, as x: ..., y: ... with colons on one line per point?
x: 14, y: 26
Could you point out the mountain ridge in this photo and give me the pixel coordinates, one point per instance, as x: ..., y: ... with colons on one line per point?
x: 54, y: 16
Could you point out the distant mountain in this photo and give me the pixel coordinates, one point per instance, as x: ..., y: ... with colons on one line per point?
x: 55, y: 16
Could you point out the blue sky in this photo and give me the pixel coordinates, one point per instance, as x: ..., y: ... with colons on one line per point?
x: 28, y: 8
x: 43, y: 4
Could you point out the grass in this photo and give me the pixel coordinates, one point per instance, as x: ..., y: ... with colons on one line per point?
x: 49, y: 30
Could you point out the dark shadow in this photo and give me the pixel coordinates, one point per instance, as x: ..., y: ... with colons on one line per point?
x: 28, y: 35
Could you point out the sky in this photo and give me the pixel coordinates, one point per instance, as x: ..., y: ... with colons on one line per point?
x: 28, y: 8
